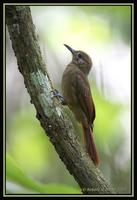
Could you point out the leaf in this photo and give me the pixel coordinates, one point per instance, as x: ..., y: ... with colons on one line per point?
x: 17, y: 175
x: 61, y: 189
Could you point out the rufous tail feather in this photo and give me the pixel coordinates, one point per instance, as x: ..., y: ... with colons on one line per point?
x: 90, y: 145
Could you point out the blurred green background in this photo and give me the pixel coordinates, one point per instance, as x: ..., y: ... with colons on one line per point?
x: 104, y: 32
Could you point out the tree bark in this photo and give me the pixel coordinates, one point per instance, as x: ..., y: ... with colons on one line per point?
x: 49, y: 110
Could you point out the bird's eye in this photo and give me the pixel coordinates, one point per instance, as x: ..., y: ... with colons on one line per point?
x: 79, y: 55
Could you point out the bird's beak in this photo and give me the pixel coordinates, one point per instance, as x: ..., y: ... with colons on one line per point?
x: 70, y: 49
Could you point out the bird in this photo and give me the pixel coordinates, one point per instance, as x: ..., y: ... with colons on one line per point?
x: 78, y: 97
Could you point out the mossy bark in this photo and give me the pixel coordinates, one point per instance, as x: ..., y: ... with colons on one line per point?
x: 49, y: 111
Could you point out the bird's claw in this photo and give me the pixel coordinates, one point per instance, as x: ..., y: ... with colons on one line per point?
x: 57, y: 94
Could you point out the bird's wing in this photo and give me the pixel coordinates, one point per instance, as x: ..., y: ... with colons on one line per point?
x: 84, y: 97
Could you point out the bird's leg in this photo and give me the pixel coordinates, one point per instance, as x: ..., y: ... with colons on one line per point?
x: 56, y: 93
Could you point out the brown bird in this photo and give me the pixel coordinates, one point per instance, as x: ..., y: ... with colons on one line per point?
x: 78, y: 97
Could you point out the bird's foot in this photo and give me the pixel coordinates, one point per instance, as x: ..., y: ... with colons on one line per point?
x: 57, y: 94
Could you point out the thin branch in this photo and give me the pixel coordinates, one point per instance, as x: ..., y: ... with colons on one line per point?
x: 49, y: 111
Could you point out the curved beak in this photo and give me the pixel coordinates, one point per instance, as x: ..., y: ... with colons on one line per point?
x: 70, y: 49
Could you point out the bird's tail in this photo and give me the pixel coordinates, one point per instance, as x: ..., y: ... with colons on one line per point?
x: 90, y: 145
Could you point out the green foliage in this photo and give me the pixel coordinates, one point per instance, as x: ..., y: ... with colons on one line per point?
x: 32, y: 153
x: 95, y: 23
x: 16, y: 174
x: 119, y: 18
x: 107, y: 116
x: 28, y: 143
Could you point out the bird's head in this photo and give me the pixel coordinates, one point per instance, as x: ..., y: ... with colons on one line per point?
x: 81, y: 59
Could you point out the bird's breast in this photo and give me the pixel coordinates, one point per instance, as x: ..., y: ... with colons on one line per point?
x: 69, y: 85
